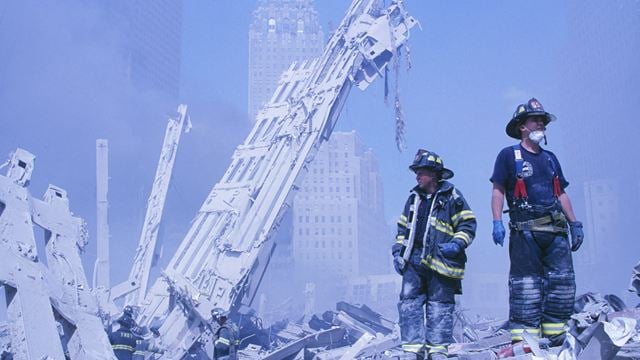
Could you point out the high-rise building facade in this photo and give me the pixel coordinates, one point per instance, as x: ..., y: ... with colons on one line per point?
x: 282, y: 32
x: 339, y: 230
x: 152, y: 31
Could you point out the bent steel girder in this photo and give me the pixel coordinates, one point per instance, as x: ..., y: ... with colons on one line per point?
x: 224, y: 254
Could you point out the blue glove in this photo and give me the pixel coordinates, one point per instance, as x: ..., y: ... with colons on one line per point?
x: 450, y: 249
x: 577, y: 235
x: 399, y: 264
x: 498, y: 232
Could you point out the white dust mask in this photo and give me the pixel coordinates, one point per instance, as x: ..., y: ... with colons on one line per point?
x: 536, y: 136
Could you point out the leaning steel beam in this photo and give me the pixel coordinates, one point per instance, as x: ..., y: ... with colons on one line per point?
x: 50, y: 308
x: 136, y: 285
x: 101, y: 268
x: 223, y: 256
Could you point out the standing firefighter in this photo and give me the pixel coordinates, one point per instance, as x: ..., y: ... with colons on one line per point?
x: 541, y: 279
x: 433, y: 231
x: 225, y: 337
x: 124, y: 341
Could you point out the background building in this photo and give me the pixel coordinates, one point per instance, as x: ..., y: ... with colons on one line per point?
x: 339, y: 230
x: 282, y: 31
x: 602, y: 54
x: 152, y: 34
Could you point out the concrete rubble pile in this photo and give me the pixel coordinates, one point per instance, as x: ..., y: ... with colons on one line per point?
x: 603, y: 327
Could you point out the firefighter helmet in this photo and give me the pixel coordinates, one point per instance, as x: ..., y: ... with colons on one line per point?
x: 126, y: 321
x: 218, y: 313
x: 533, y: 107
x: 430, y: 160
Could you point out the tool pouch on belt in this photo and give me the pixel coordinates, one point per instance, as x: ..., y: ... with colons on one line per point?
x: 554, y: 222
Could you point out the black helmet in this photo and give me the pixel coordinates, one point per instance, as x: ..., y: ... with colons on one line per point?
x: 218, y: 313
x: 430, y: 160
x: 126, y: 321
x: 533, y: 107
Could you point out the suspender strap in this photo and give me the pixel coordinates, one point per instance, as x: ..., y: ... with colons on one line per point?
x: 556, y: 180
x: 520, y: 190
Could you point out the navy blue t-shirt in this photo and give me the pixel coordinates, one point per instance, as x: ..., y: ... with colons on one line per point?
x: 538, y: 171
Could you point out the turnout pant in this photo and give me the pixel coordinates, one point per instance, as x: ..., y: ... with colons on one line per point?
x: 422, y: 286
x: 541, y: 284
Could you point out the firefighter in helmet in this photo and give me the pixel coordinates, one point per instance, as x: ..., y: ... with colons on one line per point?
x: 435, y: 228
x: 225, y: 343
x: 543, y: 230
x: 124, y: 341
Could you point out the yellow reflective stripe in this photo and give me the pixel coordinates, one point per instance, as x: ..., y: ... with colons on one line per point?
x: 223, y: 341
x: 122, y: 347
x: 442, y: 226
x: 442, y: 268
x: 553, y: 328
x: 516, y: 334
x: 400, y: 239
x: 138, y: 352
x: 414, y: 348
x: 462, y: 215
x: 463, y: 236
x: 402, y: 221
x: 433, y: 349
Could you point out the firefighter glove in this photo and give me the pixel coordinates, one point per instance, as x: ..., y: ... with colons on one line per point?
x: 577, y: 235
x: 399, y: 264
x: 498, y: 232
x: 450, y: 249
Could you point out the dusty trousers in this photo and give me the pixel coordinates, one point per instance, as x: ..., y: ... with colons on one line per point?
x: 422, y: 286
x: 541, y: 284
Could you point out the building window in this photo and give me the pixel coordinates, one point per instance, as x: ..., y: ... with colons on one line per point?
x: 300, y: 26
x: 272, y: 25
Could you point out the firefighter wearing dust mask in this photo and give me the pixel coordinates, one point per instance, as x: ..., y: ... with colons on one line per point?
x: 542, y: 229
